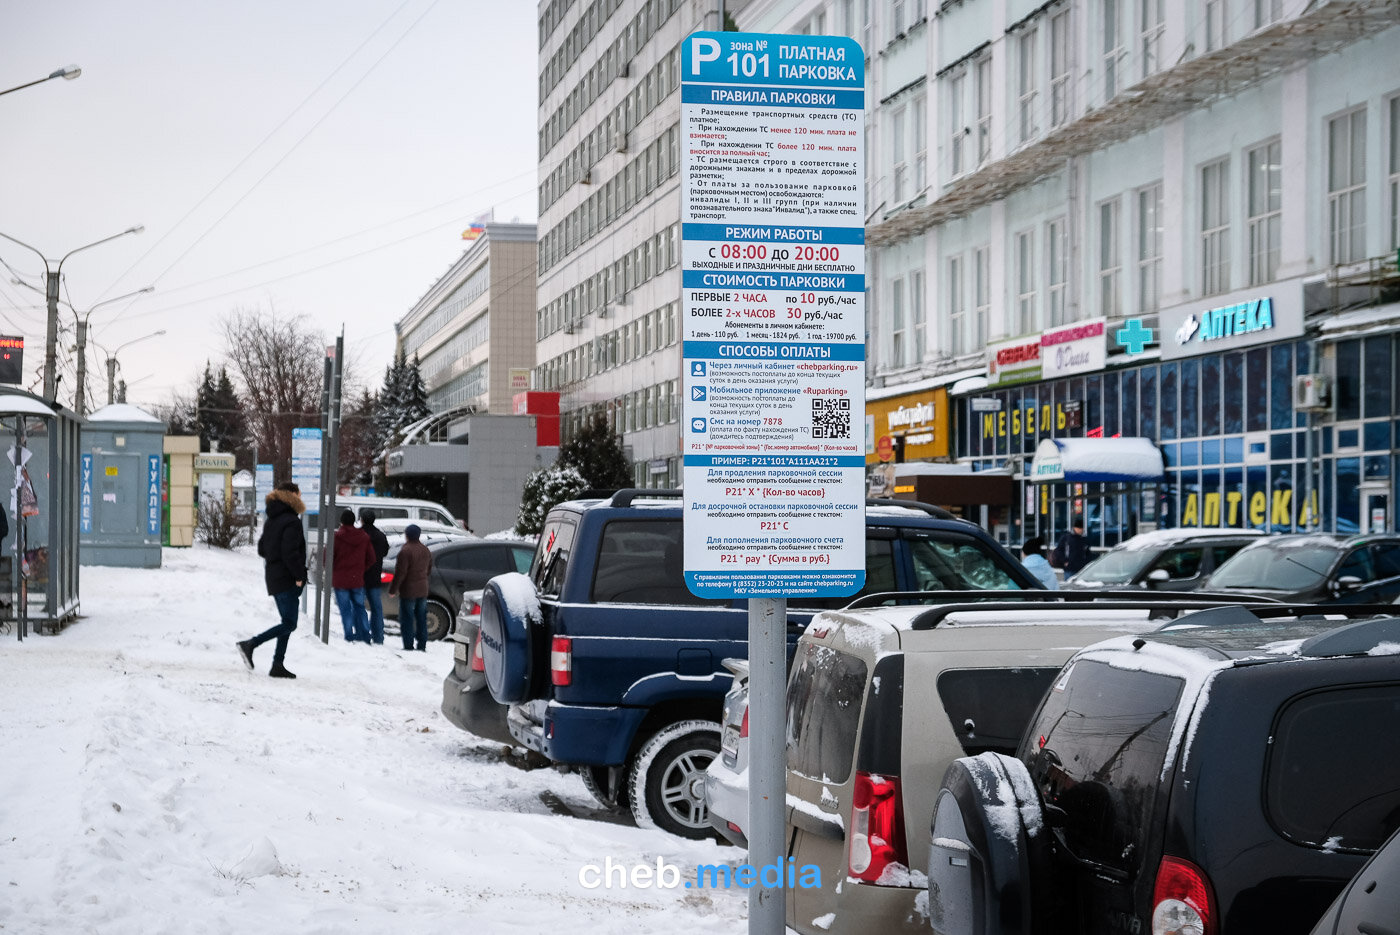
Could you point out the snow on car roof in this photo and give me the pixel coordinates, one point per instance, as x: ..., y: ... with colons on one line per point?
x: 1160, y: 537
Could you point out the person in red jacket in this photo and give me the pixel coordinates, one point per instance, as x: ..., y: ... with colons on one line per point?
x: 354, y: 554
x: 411, y: 571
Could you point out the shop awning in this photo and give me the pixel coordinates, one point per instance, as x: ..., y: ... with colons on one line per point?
x: 1105, y: 460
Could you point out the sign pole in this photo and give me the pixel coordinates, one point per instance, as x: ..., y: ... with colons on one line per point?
x: 773, y: 349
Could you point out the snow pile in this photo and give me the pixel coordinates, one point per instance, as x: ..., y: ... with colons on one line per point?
x: 154, y: 785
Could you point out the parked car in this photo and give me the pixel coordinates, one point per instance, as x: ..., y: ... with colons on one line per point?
x: 726, y: 778
x: 1321, y: 568
x: 419, y: 511
x: 613, y: 667
x: 1370, y: 905
x: 429, y: 532
x: 882, y: 700
x: 1226, y: 774
x: 466, y: 698
x: 1163, y: 560
x: 459, y: 565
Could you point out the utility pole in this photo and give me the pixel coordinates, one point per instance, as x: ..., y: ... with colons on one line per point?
x: 111, y: 380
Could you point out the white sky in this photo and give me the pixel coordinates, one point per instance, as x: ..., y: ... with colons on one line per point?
x: 346, y: 213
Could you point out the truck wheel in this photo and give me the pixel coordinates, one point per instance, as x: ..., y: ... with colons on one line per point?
x: 439, y: 621
x: 667, y: 780
x: 595, y: 779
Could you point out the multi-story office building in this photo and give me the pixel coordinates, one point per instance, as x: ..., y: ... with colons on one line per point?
x: 475, y: 326
x: 1138, y: 218
x: 609, y: 228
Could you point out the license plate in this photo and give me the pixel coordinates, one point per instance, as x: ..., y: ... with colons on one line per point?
x: 729, y: 742
x: 459, y: 652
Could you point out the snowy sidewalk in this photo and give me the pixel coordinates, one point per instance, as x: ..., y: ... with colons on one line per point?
x: 150, y: 784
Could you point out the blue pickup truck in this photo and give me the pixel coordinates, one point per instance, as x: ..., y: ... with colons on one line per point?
x: 612, y: 667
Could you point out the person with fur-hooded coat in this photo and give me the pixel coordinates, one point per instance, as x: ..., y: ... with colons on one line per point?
x: 282, y: 546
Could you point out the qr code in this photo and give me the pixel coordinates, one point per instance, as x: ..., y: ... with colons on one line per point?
x: 831, y: 418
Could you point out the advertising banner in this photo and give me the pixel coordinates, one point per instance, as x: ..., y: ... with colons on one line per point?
x: 773, y: 322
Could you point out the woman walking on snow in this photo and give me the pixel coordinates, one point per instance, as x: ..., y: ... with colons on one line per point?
x: 282, y: 546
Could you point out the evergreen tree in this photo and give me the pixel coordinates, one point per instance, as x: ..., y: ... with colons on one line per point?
x: 544, y: 489
x: 595, y: 452
x: 219, y: 419
x: 402, y: 402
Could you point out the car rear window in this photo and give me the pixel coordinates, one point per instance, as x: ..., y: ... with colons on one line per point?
x: 552, y: 555
x: 1097, y: 749
x: 823, y: 712
x: 1333, y: 776
x: 989, y: 708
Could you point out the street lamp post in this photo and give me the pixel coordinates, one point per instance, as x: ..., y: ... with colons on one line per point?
x: 81, y: 322
x: 112, y: 365
x: 51, y: 278
x: 67, y: 71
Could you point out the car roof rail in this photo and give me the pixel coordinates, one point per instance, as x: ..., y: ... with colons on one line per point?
x: 937, y: 512
x: 595, y: 493
x: 625, y: 496
x: 881, y: 598
x: 934, y: 616
x: 1354, y: 639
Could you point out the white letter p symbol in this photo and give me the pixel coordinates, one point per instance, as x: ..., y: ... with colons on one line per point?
x: 702, y: 50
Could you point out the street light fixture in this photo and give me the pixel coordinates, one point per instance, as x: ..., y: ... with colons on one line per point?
x: 112, y: 363
x: 81, y: 321
x: 67, y: 71
x: 51, y: 275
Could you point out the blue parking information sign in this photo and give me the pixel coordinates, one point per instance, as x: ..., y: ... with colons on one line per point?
x: 773, y: 323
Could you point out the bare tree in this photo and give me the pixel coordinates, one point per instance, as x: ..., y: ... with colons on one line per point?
x: 279, y: 364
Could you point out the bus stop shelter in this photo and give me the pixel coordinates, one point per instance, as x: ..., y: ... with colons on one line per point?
x: 39, y: 485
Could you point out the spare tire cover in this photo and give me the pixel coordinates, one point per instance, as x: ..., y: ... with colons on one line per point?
x: 986, y: 859
x: 510, y: 611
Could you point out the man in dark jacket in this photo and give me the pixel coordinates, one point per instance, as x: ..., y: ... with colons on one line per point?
x: 411, y: 571
x: 1072, y: 551
x: 282, y: 546
x: 353, y: 557
x: 374, y: 600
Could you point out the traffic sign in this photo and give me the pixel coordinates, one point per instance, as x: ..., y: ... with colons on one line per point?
x: 773, y: 287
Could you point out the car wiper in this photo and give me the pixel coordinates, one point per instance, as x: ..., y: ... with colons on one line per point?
x: 1319, y: 573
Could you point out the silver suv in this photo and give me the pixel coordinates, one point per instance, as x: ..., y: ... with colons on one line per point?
x: 882, y: 699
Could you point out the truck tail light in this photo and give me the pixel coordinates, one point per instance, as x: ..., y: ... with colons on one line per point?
x: 478, y: 661
x: 877, y: 827
x: 1182, y: 903
x: 561, y: 660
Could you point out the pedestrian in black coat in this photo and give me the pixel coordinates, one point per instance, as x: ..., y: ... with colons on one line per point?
x: 374, y: 598
x: 282, y: 546
x: 1072, y: 551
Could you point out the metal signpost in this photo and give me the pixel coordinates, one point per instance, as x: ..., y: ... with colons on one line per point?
x: 773, y: 341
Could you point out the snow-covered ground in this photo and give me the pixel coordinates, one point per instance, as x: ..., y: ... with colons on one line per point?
x: 149, y: 783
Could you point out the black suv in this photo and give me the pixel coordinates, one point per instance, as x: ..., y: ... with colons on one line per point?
x: 1320, y: 568
x: 1226, y: 774
x: 612, y: 666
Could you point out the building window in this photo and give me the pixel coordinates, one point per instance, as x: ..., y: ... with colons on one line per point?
x: 1060, y: 105
x: 900, y: 167
x: 1394, y: 185
x: 1058, y: 271
x: 958, y: 342
x: 1149, y: 248
x: 868, y: 27
x: 1026, y: 320
x: 981, y: 296
x: 1150, y: 25
x: 920, y: 145
x: 1265, y: 212
x: 898, y: 337
x: 896, y: 19
x: 982, y: 79
x: 1112, y: 48
x: 1110, y: 260
x: 916, y: 313
x: 1026, y: 84
x: 957, y: 124
x: 1216, y: 35
x: 1267, y: 12
x: 1346, y: 186
x: 1215, y: 228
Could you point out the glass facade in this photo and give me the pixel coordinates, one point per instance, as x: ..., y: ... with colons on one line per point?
x: 1235, y: 449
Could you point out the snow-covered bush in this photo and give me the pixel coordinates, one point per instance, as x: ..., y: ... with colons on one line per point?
x: 543, y: 489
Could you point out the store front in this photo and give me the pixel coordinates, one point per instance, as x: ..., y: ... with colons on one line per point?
x: 1216, y: 396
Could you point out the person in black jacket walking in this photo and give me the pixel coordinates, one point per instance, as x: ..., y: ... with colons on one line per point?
x: 282, y: 546
x: 1072, y: 551
x: 374, y: 599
